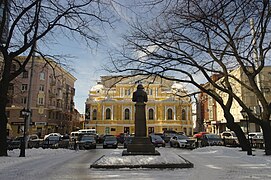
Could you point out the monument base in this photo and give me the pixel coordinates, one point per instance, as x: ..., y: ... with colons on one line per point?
x: 140, y: 146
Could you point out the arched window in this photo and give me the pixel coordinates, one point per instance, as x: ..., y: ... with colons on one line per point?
x: 126, y: 114
x: 94, y: 114
x: 183, y: 115
x: 151, y: 114
x: 169, y: 114
x: 108, y: 113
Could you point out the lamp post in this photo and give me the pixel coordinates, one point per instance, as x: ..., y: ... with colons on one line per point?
x: 245, y: 116
x: 25, y: 113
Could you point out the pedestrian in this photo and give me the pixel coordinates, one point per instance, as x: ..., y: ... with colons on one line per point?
x: 75, y: 144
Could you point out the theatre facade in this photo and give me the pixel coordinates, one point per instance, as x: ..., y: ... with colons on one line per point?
x: 110, y: 110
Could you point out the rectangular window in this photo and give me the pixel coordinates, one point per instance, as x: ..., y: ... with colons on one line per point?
x: 41, y: 101
x: 24, y: 87
x: 25, y: 74
x: 23, y: 100
x: 127, y: 92
x: 41, y: 88
x: 42, y: 76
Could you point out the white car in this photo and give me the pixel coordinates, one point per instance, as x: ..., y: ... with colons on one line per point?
x: 182, y: 141
x: 52, y: 134
x: 229, y: 138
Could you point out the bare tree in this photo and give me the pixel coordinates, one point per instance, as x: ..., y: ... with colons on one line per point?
x: 26, y: 22
x: 194, y: 38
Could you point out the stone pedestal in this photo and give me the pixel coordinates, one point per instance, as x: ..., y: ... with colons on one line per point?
x: 141, y: 145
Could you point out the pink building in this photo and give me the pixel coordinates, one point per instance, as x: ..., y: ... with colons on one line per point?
x: 50, y: 99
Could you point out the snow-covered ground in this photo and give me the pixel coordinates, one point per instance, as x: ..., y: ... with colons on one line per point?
x: 209, y: 163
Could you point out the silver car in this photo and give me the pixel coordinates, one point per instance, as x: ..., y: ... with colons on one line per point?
x: 182, y: 141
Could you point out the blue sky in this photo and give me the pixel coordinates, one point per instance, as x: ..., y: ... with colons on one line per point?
x: 87, y: 62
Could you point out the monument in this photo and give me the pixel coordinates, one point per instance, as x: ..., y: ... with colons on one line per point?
x: 141, y: 144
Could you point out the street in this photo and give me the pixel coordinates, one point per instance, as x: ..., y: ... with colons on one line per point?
x: 209, y: 163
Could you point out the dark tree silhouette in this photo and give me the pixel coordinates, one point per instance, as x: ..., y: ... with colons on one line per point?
x: 24, y: 23
x: 193, y: 38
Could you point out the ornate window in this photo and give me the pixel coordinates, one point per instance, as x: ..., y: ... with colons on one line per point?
x: 94, y: 114
x: 151, y: 114
x: 108, y: 113
x: 126, y: 114
x: 183, y: 114
x: 169, y: 114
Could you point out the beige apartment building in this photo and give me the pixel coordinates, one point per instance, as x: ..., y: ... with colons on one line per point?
x: 50, y: 99
x: 215, y: 122
x: 110, y: 110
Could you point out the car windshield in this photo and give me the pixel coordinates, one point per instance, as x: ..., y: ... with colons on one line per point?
x: 228, y: 134
x: 212, y: 136
x: 87, y: 138
x: 156, y: 138
x: 110, y: 138
x: 182, y: 137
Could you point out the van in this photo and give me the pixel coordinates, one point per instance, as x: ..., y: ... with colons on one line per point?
x: 88, y: 131
x: 75, y: 135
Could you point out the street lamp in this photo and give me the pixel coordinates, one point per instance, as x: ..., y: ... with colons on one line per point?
x: 25, y: 113
x: 245, y: 116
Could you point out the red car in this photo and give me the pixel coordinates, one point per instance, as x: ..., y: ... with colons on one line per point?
x: 200, y: 134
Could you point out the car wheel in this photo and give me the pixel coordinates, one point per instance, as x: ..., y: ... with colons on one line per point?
x: 175, y: 145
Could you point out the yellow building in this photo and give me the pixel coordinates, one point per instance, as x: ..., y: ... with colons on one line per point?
x: 110, y: 110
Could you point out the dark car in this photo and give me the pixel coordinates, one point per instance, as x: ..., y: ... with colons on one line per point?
x: 87, y: 142
x: 127, y: 140
x: 15, y: 143
x: 157, y: 141
x: 211, y: 140
x: 121, y: 137
x: 51, y: 142
x: 110, y: 142
x: 182, y: 141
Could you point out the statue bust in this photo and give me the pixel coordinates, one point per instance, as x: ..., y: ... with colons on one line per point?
x: 140, y: 96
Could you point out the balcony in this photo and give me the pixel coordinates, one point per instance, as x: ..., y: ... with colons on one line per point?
x: 51, y: 95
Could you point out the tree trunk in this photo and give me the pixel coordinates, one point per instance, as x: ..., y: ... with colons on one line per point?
x: 267, y: 136
x: 243, y: 141
x: 3, y: 124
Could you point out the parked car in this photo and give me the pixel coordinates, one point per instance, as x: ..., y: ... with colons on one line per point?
x: 34, y: 141
x: 87, y: 142
x: 199, y: 135
x: 157, y: 141
x: 127, y: 140
x: 52, y: 134
x: 15, y: 143
x: 110, y: 142
x: 121, y: 137
x: 168, y: 134
x: 182, y: 141
x: 64, y: 142
x: 229, y: 138
x: 256, y: 139
x: 51, y: 142
x: 75, y: 135
x: 211, y: 140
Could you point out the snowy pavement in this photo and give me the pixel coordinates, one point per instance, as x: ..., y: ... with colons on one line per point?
x: 209, y: 163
